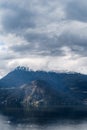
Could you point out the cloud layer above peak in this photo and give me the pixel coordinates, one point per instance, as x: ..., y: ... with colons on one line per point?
x: 51, y: 31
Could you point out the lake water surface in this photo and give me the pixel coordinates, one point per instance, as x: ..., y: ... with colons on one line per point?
x: 42, y: 124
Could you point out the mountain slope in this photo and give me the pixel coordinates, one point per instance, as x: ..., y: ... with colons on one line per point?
x: 43, y: 90
x: 37, y: 95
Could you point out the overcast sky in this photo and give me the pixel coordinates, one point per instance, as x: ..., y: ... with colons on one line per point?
x: 43, y: 34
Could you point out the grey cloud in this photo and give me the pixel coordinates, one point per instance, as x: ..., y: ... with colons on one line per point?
x: 77, y: 10
x: 44, y: 45
x: 77, y: 44
x: 16, y: 18
x: 44, y: 29
x: 41, y: 50
x: 6, y: 58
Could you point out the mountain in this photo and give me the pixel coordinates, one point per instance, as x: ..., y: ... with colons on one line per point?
x: 40, y: 90
x: 21, y: 76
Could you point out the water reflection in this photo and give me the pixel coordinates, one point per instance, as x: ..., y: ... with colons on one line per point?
x: 19, y: 120
x: 5, y: 124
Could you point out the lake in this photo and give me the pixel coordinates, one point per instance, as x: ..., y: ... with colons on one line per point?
x: 43, y: 123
